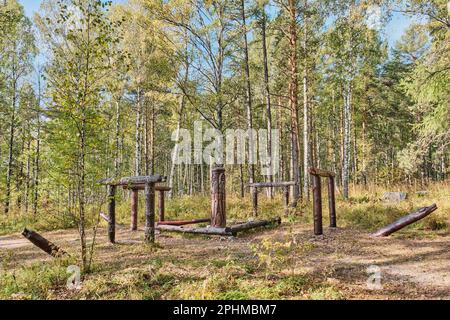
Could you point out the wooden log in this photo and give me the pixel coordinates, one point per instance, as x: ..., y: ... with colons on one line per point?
x: 272, y: 184
x: 150, y: 212
x: 405, y: 221
x: 332, y: 203
x: 43, y: 244
x: 161, y: 205
x: 134, y: 209
x: 317, y: 205
x: 206, y: 230
x: 321, y: 173
x: 183, y: 222
x: 112, y: 213
x: 218, y: 198
x: 286, y: 201
x: 253, y: 224
x: 136, y: 180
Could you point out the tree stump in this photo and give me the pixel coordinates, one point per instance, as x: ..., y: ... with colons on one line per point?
x: 218, y: 209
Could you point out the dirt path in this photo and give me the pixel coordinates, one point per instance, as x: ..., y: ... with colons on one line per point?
x: 409, y: 268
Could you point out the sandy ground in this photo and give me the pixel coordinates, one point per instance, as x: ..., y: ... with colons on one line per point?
x: 407, y: 267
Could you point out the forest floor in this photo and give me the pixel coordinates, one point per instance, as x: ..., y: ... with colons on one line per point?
x: 284, y: 262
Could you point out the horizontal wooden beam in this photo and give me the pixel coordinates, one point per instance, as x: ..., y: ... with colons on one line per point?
x: 321, y: 173
x: 271, y: 184
x: 205, y: 230
x: 131, y: 181
x: 142, y: 187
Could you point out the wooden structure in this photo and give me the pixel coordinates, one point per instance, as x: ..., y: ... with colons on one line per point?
x: 146, y: 183
x: 218, y: 220
x: 284, y: 185
x: 43, y: 244
x: 317, y: 174
x: 405, y: 221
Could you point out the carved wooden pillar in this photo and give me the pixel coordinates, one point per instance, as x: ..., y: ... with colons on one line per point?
x: 218, y: 198
x: 112, y: 213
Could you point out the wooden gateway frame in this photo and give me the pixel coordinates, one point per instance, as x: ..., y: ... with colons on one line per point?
x: 317, y: 174
x: 146, y: 183
x: 284, y: 185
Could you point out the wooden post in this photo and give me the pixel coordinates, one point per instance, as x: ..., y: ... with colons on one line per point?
x: 112, y: 213
x: 254, y: 193
x: 218, y: 209
x: 331, y: 202
x: 317, y: 205
x: 161, y: 205
x: 134, y: 209
x: 286, y: 200
x: 150, y: 212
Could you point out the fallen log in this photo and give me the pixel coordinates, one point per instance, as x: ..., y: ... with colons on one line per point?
x: 205, y: 230
x: 183, y: 222
x: 253, y: 224
x: 43, y: 244
x: 405, y: 221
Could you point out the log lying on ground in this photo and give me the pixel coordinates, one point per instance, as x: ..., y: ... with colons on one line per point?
x: 183, y: 222
x: 253, y: 224
x: 42, y: 243
x: 405, y: 221
x: 206, y: 230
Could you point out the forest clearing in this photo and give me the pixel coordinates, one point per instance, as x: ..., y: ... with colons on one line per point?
x: 285, y: 262
x: 224, y: 149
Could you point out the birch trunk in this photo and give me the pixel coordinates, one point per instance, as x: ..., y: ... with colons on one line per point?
x: 293, y: 103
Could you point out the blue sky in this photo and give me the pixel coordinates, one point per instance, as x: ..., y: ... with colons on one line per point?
x: 398, y: 24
